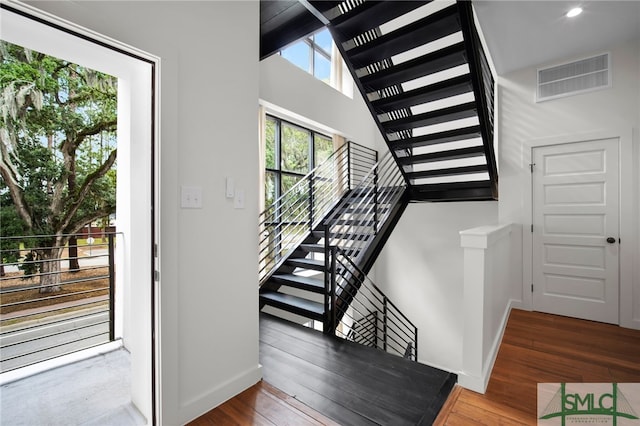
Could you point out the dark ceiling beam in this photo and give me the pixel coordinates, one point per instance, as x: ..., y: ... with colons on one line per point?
x: 284, y: 22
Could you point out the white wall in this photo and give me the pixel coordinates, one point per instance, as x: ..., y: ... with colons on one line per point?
x: 613, y: 111
x: 285, y: 88
x: 421, y: 270
x: 209, y: 98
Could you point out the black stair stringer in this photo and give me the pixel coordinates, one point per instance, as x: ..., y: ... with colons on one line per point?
x: 375, y: 247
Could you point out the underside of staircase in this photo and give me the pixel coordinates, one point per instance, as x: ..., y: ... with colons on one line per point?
x: 423, y: 74
x: 426, y: 80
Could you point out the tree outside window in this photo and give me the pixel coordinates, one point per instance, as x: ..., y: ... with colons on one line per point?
x: 291, y: 152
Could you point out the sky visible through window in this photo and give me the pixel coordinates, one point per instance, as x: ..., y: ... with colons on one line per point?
x: 312, y: 54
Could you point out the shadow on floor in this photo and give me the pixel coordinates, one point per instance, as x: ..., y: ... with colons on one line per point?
x: 94, y: 391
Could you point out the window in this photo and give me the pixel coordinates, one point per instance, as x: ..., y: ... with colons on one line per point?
x: 291, y: 152
x: 312, y: 54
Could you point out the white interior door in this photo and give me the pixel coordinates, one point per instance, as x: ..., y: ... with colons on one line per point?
x: 576, y: 230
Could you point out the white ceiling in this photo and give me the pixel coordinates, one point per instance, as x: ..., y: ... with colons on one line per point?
x: 521, y: 33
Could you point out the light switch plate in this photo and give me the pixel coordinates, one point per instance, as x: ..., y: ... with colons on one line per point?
x: 191, y: 197
x: 238, y: 201
x: 229, y: 188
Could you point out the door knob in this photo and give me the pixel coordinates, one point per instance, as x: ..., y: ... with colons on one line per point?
x: 611, y: 240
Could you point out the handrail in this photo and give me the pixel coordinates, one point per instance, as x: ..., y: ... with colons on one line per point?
x: 350, y: 296
x: 48, y: 309
x: 368, y: 207
x: 355, y: 299
x: 295, y: 214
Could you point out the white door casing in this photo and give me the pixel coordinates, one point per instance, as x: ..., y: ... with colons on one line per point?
x: 575, y: 203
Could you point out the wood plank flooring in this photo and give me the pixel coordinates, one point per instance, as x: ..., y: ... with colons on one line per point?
x: 536, y: 348
x: 350, y: 383
x: 544, y: 348
x: 262, y: 404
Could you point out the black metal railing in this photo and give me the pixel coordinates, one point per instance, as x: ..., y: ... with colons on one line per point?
x: 295, y: 214
x: 48, y: 309
x: 483, y: 87
x: 362, y: 313
x: 359, y: 217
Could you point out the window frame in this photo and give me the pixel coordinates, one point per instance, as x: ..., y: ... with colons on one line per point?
x: 314, y: 47
x: 278, y: 171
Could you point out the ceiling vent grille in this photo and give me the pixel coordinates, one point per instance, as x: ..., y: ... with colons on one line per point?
x: 575, y: 77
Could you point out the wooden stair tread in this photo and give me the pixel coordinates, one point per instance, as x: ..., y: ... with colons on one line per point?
x: 452, y: 171
x: 433, y: 92
x: 315, y: 285
x: 440, y: 60
x: 316, y: 265
x: 293, y: 304
x: 443, y: 115
x: 451, y: 154
x: 464, y: 133
x: 417, y: 33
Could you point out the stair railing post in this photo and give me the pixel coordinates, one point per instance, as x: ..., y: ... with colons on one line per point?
x: 376, y: 328
x: 112, y: 286
x: 415, y: 343
x: 375, y: 196
x: 384, y: 323
x: 334, y: 316
x: 311, y: 202
x: 327, y: 280
x: 349, y: 165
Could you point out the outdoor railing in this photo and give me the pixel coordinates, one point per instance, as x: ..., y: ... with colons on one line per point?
x: 295, y: 214
x: 362, y: 313
x: 52, y: 301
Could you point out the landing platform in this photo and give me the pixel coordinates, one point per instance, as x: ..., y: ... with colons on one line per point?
x: 347, y: 382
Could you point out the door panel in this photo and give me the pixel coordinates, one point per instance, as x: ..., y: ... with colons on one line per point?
x: 575, y: 210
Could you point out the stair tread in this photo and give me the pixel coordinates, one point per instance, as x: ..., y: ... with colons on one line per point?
x: 316, y: 248
x: 369, y: 15
x: 433, y: 92
x: 439, y: 60
x: 316, y: 265
x: 293, y: 304
x: 456, y: 112
x: 464, y: 133
x: 307, y: 283
x: 455, y: 191
x: 423, y: 31
x: 452, y: 154
x: 453, y: 185
x: 452, y: 171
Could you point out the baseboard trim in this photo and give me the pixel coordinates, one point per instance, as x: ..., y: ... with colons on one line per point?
x: 195, y: 407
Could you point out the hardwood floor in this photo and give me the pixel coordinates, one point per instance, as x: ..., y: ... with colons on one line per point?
x: 543, y: 348
x: 352, y: 384
x: 536, y: 348
x: 262, y: 404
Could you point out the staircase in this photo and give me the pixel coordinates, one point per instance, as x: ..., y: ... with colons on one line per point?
x: 424, y: 75
x: 321, y: 275
x: 425, y: 78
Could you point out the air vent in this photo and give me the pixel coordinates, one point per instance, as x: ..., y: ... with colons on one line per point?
x: 575, y: 77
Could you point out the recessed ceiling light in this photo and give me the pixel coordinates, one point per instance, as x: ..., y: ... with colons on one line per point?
x: 574, y: 12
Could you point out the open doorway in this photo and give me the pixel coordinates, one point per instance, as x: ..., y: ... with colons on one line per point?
x: 132, y: 320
